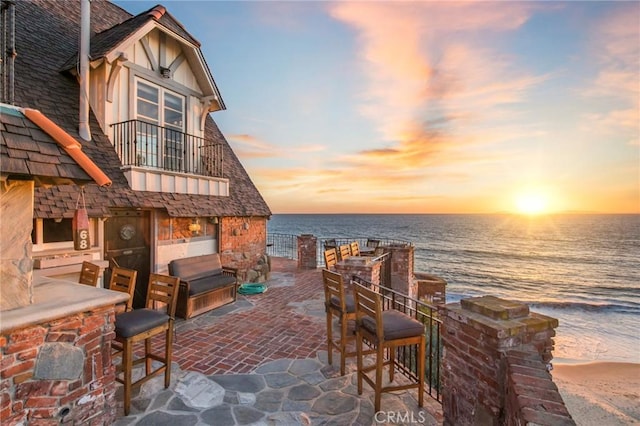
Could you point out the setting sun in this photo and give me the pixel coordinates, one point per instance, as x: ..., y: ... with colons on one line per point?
x: 531, y: 203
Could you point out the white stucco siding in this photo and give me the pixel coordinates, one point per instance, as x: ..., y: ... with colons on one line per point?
x: 167, y: 253
x: 183, y: 74
x: 119, y: 109
x: 137, y: 54
x: 97, y: 93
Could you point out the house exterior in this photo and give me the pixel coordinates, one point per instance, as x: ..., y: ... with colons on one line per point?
x: 177, y: 187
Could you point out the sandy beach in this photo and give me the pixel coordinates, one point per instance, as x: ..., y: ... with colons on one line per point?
x: 601, y: 393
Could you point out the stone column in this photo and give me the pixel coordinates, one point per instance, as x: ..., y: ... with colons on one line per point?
x: 477, y: 333
x: 307, y: 249
x: 402, y: 268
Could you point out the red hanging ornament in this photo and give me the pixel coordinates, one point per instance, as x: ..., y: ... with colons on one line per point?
x: 80, y: 225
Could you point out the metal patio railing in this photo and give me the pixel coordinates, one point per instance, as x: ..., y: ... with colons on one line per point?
x: 143, y: 144
x: 286, y: 245
x: 406, y: 357
x: 282, y: 245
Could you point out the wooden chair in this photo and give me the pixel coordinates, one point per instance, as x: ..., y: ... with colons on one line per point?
x: 372, y: 248
x: 330, y: 258
x: 345, y: 251
x: 373, y: 243
x: 124, y: 280
x: 142, y: 324
x: 341, y: 306
x: 354, y: 248
x: 89, y: 274
x: 386, y: 331
x: 330, y: 243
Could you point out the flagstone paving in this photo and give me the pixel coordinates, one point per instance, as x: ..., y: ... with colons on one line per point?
x: 262, y: 361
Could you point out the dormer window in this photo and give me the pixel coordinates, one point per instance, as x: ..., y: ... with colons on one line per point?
x: 160, y: 129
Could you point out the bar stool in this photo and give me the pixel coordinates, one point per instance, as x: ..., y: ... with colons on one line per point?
x: 89, y: 274
x: 339, y: 305
x: 390, y: 330
x: 141, y: 324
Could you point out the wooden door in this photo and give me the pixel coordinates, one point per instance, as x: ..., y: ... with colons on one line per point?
x: 127, y: 245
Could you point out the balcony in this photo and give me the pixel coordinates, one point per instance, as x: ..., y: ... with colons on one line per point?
x: 161, y: 159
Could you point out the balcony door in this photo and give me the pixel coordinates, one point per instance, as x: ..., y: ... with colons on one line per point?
x: 160, y: 127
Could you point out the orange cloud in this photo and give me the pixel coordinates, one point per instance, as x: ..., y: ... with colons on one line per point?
x: 249, y: 147
x: 616, y: 43
x: 422, y: 61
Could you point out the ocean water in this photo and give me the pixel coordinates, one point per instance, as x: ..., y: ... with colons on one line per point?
x: 583, y: 270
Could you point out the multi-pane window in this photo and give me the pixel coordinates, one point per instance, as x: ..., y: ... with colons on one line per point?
x: 160, y: 127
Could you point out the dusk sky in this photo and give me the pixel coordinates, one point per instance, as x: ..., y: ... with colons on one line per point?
x: 428, y: 107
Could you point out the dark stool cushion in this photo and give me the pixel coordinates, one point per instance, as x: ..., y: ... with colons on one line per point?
x: 139, y: 320
x: 396, y: 325
x: 349, y: 302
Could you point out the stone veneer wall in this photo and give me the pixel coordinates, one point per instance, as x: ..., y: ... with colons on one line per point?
x: 243, y: 242
x: 59, y: 371
x: 16, y: 266
x: 494, y: 365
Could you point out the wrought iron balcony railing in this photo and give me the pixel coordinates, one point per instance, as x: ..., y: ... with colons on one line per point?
x: 143, y: 144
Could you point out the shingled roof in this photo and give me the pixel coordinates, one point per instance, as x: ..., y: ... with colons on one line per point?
x: 27, y: 152
x: 104, y: 42
x: 46, y: 36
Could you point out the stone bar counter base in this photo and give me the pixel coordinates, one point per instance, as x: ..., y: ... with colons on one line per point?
x: 56, y: 357
x: 494, y: 369
x: 59, y: 371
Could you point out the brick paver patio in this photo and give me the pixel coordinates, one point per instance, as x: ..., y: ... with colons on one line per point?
x: 287, y: 321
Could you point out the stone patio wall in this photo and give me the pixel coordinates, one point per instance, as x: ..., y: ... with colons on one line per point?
x: 494, y: 368
x: 243, y: 242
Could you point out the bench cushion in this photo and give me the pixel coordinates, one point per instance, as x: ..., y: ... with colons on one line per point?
x: 193, y: 268
x: 204, y: 284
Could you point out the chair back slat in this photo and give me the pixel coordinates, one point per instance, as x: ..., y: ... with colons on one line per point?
x: 369, y: 304
x: 330, y: 258
x: 163, y: 291
x: 124, y: 280
x: 89, y: 274
x: 333, y: 287
x: 354, y: 248
x: 345, y: 251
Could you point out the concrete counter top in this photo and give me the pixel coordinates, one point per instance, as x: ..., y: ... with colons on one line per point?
x: 54, y: 298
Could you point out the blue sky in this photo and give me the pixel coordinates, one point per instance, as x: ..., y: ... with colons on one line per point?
x: 428, y: 107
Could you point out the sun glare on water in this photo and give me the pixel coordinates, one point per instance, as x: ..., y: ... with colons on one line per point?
x: 531, y: 203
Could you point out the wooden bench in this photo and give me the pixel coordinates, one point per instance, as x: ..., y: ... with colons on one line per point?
x: 204, y: 284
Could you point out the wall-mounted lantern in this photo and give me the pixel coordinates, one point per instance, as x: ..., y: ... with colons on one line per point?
x: 194, y: 227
